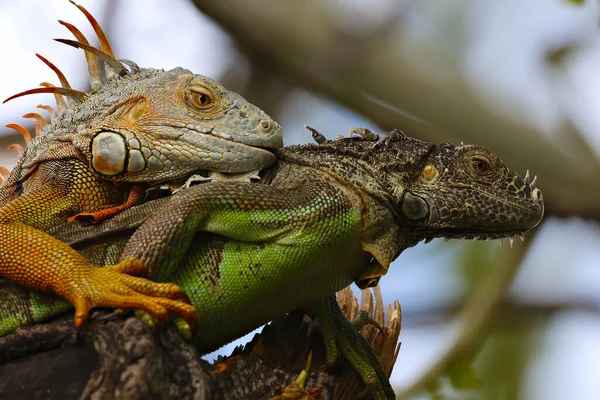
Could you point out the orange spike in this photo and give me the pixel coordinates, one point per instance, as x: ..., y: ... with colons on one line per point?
x: 75, y: 94
x: 39, y: 122
x: 24, y: 132
x: 114, y: 64
x: 104, y: 43
x: 3, y: 174
x: 60, y: 101
x: 63, y: 80
x: 17, y: 147
x: 51, y: 111
x: 93, y: 66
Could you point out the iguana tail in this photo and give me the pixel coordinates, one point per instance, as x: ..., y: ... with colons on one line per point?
x: 20, y: 306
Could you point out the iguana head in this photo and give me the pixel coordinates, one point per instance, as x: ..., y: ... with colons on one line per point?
x: 414, y: 190
x: 147, y: 125
x: 163, y: 125
x: 434, y: 189
x: 465, y: 192
x: 462, y: 192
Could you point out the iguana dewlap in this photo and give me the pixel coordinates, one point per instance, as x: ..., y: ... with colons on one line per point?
x: 137, y: 128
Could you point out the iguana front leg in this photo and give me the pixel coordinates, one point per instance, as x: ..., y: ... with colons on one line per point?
x: 298, y: 232
x: 247, y: 212
x: 134, y: 197
x: 34, y: 259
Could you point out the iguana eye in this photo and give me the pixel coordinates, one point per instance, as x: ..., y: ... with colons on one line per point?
x: 480, y: 165
x: 200, y: 98
x: 429, y: 172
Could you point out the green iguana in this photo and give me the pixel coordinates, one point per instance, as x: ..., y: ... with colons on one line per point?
x: 98, y: 155
x: 322, y: 217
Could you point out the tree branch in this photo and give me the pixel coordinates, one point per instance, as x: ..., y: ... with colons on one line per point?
x: 118, y: 357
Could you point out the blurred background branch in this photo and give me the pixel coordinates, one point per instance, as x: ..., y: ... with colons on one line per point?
x: 487, y: 294
x: 371, y: 73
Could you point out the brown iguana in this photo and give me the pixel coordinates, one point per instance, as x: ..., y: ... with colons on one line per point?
x: 322, y: 217
x: 98, y: 155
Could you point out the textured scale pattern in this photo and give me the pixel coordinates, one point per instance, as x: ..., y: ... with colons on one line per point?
x: 97, y: 156
x: 277, y: 242
x: 321, y: 218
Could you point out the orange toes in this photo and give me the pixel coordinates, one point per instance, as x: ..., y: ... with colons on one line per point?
x: 82, y: 310
x: 150, y: 306
x: 186, y: 311
x: 94, y: 217
x: 113, y: 287
x: 149, y: 288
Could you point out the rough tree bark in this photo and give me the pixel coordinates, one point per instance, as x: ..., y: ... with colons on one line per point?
x: 116, y: 356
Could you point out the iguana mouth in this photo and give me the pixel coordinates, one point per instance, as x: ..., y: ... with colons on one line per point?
x: 270, y: 143
x: 470, y: 235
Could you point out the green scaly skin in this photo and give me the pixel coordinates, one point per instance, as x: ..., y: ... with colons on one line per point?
x: 324, y: 216
x: 138, y: 128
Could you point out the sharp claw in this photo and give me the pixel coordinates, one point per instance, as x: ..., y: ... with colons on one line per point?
x: 522, y: 237
x: 526, y: 179
x: 460, y: 240
x: 512, y: 241
x: 501, y: 241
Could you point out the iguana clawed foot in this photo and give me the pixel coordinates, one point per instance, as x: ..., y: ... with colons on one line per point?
x: 213, y: 176
x: 384, y: 140
x: 341, y: 337
x: 363, y: 319
x: 115, y: 287
x: 183, y: 326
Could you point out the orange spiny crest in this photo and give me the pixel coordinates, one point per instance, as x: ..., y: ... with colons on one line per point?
x: 63, y: 80
x: 24, y: 132
x: 104, y: 43
x: 117, y: 66
x: 51, y: 111
x: 17, y: 147
x: 75, y: 94
x: 113, y: 66
x: 60, y: 101
x: 38, y: 121
x: 92, y: 62
x: 3, y: 174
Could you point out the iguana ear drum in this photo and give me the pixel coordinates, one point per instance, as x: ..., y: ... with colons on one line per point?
x: 414, y: 207
x: 109, y: 153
